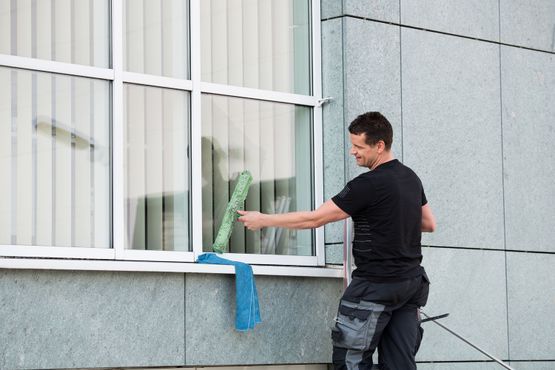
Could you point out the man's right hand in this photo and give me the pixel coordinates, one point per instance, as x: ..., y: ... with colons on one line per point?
x: 252, y: 220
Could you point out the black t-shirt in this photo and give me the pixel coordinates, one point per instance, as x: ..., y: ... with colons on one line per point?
x: 386, y: 207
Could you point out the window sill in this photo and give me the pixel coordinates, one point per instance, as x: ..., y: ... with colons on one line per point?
x: 176, y: 267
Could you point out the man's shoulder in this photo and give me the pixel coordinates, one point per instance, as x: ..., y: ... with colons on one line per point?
x: 362, y: 182
x: 362, y: 178
x: 404, y: 168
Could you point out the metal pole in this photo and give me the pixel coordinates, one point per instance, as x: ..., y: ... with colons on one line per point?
x: 469, y: 343
x: 347, y: 252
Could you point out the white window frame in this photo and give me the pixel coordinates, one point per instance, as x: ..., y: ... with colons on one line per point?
x: 118, y: 258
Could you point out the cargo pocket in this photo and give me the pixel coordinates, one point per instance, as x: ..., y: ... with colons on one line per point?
x: 422, y: 295
x: 352, y: 326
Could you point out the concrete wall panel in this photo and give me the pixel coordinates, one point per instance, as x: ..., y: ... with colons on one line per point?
x: 381, y: 10
x: 297, y: 314
x: 528, y: 23
x: 372, y: 78
x: 331, y: 8
x: 472, y: 18
x: 531, y: 298
x: 461, y: 366
x: 470, y: 286
x: 334, y: 254
x: 334, y: 130
x: 528, y: 80
x: 533, y: 365
x: 452, y: 135
x: 52, y: 319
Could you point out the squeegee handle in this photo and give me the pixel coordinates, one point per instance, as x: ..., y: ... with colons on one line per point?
x: 433, y: 319
x: 236, y: 202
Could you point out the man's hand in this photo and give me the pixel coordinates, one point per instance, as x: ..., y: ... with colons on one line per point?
x: 253, y: 220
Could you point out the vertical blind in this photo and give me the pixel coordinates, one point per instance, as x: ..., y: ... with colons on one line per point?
x: 54, y: 160
x: 156, y: 36
x: 155, y: 39
x: 262, y: 44
x: 156, y: 125
x: 59, y: 30
x: 55, y: 149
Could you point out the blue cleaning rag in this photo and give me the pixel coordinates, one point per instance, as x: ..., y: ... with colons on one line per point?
x: 246, y: 297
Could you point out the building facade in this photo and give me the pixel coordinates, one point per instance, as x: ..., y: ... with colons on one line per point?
x: 124, y: 124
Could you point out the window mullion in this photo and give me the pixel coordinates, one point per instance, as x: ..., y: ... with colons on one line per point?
x: 55, y: 67
x: 258, y: 94
x: 118, y: 173
x: 318, y: 153
x: 196, y: 132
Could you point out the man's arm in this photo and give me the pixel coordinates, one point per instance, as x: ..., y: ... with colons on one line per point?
x: 428, y: 219
x: 326, y: 213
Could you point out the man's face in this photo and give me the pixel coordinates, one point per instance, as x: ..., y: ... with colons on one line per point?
x: 365, y: 155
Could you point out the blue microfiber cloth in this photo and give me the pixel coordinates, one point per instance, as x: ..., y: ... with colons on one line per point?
x: 246, y: 297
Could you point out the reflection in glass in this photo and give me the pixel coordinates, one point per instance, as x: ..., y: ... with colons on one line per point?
x: 60, y: 30
x: 155, y: 37
x: 273, y: 142
x: 54, y: 160
x: 156, y: 163
x: 261, y: 44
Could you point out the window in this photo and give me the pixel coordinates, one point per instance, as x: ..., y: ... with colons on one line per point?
x: 123, y: 126
x: 55, y: 160
x: 259, y: 44
x: 156, y: 37
x: 273, y: 142
x: 61, y: 30
x: 156, y: 168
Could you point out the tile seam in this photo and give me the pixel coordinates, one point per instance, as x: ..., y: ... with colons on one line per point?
x: 503, y: 186
x: 488, y: 249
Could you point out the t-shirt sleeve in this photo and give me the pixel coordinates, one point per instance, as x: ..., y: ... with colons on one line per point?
x: 355, y: 196
x: 424, y: 200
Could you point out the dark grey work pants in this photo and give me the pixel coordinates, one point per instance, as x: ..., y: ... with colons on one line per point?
x: 383, y: 316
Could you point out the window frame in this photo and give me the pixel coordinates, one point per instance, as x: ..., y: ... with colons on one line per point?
x: 118, y: 258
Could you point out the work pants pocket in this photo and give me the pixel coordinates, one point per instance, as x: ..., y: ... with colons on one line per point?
x: 355, y: 325
x: 422, y: 295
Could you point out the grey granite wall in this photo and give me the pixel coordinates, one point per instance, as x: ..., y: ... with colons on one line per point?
x: 470, y: 89
x: 52, y: 319
x: 297, y: 314
x: 77, y: 319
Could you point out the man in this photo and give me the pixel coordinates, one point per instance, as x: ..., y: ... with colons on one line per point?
x: 379, y: 309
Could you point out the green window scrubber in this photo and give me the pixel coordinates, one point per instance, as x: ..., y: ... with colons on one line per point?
x: 236, y: 202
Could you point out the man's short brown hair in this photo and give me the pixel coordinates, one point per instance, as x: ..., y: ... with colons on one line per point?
x: 375, y: 126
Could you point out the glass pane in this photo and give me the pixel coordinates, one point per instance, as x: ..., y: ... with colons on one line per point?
x: 272, y: 141
x: 54, y: 160
x: 259, y: 44
x: 156, y: 162
x: 60, y: 30
x: 156, y: 37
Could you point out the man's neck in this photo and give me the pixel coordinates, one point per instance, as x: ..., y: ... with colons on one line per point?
x: 383, y: 158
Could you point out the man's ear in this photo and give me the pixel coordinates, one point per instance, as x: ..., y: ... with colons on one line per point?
x: 381, y: 146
